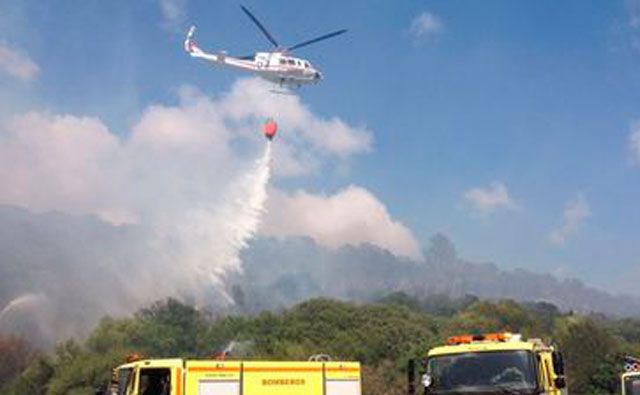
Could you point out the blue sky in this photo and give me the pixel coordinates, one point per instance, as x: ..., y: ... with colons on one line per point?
x: 538, y: 98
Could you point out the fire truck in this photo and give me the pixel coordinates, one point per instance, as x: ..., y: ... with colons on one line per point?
x: 225, y: 377
x: 494, y: 363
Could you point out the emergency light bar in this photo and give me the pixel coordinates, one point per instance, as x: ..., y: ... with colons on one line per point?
x: 487, y: 337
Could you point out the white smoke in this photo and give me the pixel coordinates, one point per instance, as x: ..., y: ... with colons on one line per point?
x: 351, y: 216
x: 180, y: 193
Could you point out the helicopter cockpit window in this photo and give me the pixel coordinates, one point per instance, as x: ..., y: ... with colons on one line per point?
x: 306, y: 65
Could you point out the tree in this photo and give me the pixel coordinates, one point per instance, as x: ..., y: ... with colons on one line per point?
x: 170, y: 329
x: 82, y: 373
x: 382, y: 379
x: 592, y: 356
x: 545, y: 315
x: 485, y: 316
x: 15, y: 356
x: 33, y: 380
x: 402, y: 299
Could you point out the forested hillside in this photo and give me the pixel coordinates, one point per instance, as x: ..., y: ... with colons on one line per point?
x: 383, y: 336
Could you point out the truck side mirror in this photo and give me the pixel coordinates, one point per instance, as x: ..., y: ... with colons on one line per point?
x: 558, y: 363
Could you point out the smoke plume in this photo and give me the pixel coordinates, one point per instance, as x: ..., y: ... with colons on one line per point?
x: 98, y: 223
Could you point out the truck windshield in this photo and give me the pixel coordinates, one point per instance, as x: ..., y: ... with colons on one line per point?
x: 503, y: 372
x: 632, y: 385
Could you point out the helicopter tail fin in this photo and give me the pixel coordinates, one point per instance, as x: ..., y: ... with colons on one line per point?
x: 189, y: 43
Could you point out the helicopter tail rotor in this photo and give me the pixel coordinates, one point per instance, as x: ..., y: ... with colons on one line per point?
x: 189, y: 43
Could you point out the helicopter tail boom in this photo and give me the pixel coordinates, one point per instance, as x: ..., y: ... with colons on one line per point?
x: 221, y: 57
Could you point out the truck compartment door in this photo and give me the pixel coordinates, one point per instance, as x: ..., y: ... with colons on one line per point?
x: 211, y: 387
x: 213, y: 377
x: 342, y: 378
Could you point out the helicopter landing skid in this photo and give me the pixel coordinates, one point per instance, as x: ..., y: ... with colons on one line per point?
x: 283, y: 92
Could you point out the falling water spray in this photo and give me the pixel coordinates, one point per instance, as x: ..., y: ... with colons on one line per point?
x: 213, y: 235
x: 250, y: 203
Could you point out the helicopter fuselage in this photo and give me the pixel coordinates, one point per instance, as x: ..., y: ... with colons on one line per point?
x: 281, y: 68
x: 277, y: 67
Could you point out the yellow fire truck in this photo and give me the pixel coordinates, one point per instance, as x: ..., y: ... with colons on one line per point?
x: 218, y: 377
x: 495, y: 363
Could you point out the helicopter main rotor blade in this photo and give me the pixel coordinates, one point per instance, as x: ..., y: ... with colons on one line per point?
x: 315, y: 40
x: 262, y: 28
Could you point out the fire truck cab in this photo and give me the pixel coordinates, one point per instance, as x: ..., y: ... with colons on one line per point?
x: 495, y: 363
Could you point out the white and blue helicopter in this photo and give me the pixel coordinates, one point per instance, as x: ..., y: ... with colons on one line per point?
x: 277, y: 66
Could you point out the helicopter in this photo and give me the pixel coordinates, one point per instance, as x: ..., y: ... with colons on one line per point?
x: 277, y: 66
